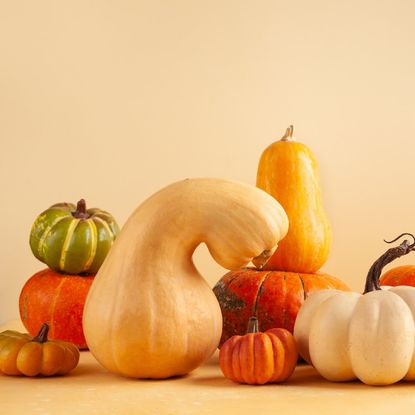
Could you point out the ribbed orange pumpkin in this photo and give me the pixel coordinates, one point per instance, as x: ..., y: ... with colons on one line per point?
x: 58, y: 299
x: 288, y: 171
x: 274, y: 297
x: 402, y: 275
x: 257, y: 358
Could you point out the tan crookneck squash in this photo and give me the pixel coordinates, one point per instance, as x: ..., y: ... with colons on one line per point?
x: 288, y: 171
x: 149, y: 313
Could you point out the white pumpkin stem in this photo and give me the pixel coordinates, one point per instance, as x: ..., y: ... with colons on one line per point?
x: 375, y: 271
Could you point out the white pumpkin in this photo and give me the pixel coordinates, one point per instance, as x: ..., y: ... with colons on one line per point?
x: 371, y: 336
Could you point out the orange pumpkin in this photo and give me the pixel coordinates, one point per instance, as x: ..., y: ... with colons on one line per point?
x: 288, y: 171
x: 402, y: 275
x: 257, y: 358
x: 58, y: 299
x: 274, y: 297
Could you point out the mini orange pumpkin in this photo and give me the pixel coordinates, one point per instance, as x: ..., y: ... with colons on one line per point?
x: 402, y: 275
x: 257, y: 358
x: 22, y: 354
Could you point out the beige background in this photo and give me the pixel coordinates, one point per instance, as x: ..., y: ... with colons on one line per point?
x: 111, y: 100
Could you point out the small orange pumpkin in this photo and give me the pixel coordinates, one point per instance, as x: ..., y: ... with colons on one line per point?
x: 22, y: 354
x: 402, y: 275
x: 257, y: 358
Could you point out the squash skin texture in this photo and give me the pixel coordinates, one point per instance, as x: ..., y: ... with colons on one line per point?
x: 370, y: 337
x: 288, y: 171
x: 149, y: 313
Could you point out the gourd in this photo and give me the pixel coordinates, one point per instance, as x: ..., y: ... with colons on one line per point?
x: 402, y: 275
x: 58, y: 299
x: 274, y: 297
x: 347, y: 335
x: 73, y: 239
x: 149, y: 313
x: 21, y: 354
x: 288, y: 171
x: 257, y: 358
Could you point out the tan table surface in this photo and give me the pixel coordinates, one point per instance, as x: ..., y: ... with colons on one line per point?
x: 90, y: 389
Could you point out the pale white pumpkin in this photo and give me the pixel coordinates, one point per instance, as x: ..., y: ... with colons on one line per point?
x: 149, y: 313
x: 347, y: 335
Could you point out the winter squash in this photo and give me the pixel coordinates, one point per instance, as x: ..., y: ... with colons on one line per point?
x: 347, y: 335
x: 150, y: 314
x: 274, y: 297
x: 402, y: 275
x: 73, y: 239
x: 58, y: 299
x: 288, y: 171
x: 257, y: 358
x: 22, y: 354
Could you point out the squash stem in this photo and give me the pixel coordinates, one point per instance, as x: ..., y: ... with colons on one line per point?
x: 372, y: 279
x: 253, y: 325
x: 288, y: 134
x: 80, y: 212
x: 42, y: 336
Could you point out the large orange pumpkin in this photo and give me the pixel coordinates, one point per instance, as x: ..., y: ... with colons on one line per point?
x: 274, y: 297
x: 58, y: 299
x: 402, y: 275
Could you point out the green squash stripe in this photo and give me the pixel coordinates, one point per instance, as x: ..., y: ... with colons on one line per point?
x: 94, y: 244
x: 46, y: 233
x: 71, y: 230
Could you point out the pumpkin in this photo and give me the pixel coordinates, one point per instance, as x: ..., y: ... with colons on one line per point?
x: 21, y: 354
x: 56, y: 298
x: 149, y: 313
x: 347, y: 335
x: 402, y: 275
x: 71, y: 239
x: 257, y: 358
x: 274, y: 297
x: 288, y: 171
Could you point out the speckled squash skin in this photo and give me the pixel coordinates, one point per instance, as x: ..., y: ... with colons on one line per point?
x: 73, y: 239
x: 58, y: 299
x: 274, y: 297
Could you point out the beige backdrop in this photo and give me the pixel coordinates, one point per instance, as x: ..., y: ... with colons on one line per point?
x: 111, y: 100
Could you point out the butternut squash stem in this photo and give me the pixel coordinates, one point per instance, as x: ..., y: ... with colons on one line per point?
x: 288, y: 134
x: 80, y: 212
x: 372, y: 279
x: 42, y: 336
x: 253, y: 325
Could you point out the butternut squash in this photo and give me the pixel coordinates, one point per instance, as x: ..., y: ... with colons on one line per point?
x: 149, y: 313
x: 288, y: 171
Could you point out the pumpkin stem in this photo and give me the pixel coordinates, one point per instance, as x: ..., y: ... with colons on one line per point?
x: 372, y: 279
x: 80, y: 212
x: 253, y: 325
x: 42, y: 336
x: 288, y: 134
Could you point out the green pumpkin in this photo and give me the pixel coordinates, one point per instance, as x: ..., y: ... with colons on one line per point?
x: 73, y: 239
